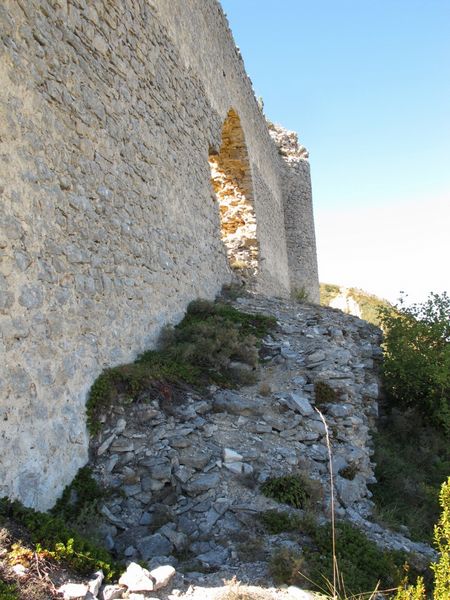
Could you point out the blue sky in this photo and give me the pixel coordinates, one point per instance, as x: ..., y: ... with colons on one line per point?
x: 366, y: 84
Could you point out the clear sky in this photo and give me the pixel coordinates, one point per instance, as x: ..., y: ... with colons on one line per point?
x: 366, y: 84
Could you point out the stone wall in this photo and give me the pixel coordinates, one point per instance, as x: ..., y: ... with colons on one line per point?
x: 298, y: 214
x: 108, y: 225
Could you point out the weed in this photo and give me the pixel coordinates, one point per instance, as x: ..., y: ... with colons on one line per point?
x: 232, y: 291
x: 276, y: 521
x: 84, y: 491
x: 264, y: 389
x: 324, y: 393
x: 349, y: 472
x: 8, y: 591
x: 56, y: 540
x: 198, y: 351
x: 252, y: 549
x: 285, y: 566
x: 288, y: 489
x: 412, y: 461
x: 300, y: 295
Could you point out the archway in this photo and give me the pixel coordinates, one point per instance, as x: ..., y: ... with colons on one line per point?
x: 232, y: 184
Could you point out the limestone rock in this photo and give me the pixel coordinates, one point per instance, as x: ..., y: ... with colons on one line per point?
x: 136, y: 579
x: 162, y: 576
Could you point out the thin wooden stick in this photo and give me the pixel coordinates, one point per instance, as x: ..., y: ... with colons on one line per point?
x: 333, y: 527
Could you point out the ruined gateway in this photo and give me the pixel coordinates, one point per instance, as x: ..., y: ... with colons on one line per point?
x: 137, y: 173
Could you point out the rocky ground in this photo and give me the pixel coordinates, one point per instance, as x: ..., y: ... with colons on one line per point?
x: 183, y: 470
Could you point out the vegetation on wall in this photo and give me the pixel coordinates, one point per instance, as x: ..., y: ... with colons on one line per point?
x: 207, y: 346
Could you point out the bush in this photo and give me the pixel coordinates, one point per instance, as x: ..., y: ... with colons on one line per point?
x: 294, y: 490
x: 412, y: 460
x: 198, y: 351
x: 285, y: 566
x: 52, y: 536
x: 362, y: 565
x: 441, y: 569
x: 324, y: 393
x: 276, y: 521
x: 417, y: 357
x: 8, y: 591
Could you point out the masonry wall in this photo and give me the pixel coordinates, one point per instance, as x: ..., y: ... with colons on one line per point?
x: 298, y: 214
x: 108, y: 224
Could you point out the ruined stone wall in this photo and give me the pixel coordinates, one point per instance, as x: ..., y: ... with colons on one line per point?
x: 298, y: 214
x: 108, y: 224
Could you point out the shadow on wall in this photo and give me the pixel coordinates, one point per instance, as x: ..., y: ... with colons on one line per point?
x: 232, y: 185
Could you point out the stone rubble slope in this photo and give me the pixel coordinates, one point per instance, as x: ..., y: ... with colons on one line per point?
x: 183, y: 476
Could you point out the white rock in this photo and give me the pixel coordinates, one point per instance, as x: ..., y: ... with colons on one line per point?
x: 111, y: 592
x: 73, y: 591
x: 19, y: 570
x: 231, y: 456
x: 239, y: 468
x: 297, y: 594
x: 136, y: 579
x: 162, y: 576
x: 95, y: 583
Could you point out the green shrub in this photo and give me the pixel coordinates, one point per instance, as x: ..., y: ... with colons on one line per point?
x: 361, y: 563
x: 324, y: 393
x: 407, y: 591
x: 300, y: 295
x: 276, y: 521
x: 8, y: 591
x: 441, y: 569
x: 198, y: 351
x: 412, y: 460
x: 416, y: 366
x: 285, y: 566
x: 289, y: 489
x: 51, y: 534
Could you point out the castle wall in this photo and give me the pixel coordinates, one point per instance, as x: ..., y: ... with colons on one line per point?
x: 298, y: 214
x: 108, y: 224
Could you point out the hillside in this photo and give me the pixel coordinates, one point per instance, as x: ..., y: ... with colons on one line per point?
x: 353, y: 301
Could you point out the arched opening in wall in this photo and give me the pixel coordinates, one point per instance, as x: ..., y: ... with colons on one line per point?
x: 232, y: 184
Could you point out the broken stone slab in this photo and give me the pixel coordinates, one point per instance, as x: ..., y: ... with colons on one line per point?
x: 136, y: 579
x: 231, y: 456
x: 73, y: 591
x: 202, y: 483
x: 122, y: 445
x: 230, y: 402
x: 95, y: 582
x: 178, y: 539
x: 106, y: 444
x: 162, y: 576
x: 299, y: 404
x: 154, y: 545
x: 349, y: 491
x: 111, y: 592
x: 239, y: 468
x: 196, y: 458
x: 214, y: 558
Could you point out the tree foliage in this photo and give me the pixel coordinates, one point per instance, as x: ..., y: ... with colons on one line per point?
x: 417, y: 357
